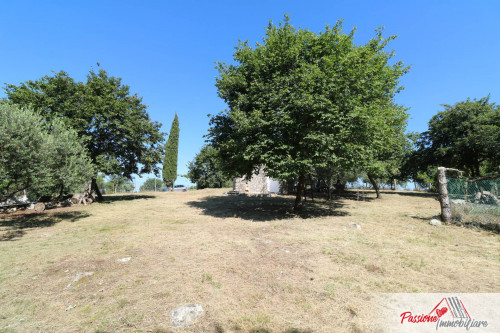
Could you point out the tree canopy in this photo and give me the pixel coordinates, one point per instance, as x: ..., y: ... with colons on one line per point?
x: 113, y: 124
x: 384, y: 152
x: 152, y: 184
x: 171, y: 152
x: 465, y: 136
x: 206, y: 171
x: 42, y: 157
x: 301, y: 100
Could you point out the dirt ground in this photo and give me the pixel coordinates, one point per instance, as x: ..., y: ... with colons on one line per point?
x: 252, y: 264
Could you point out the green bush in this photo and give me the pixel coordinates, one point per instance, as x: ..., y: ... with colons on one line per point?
x: 44, y: 158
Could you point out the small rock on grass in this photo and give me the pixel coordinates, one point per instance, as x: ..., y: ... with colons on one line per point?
x: 186, y: 315
x: 435, y: 222
x: 78, y: 277
x: 355, y: 225
x: 125, y: 259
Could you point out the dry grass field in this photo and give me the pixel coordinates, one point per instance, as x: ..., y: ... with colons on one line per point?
x: 251, y: 263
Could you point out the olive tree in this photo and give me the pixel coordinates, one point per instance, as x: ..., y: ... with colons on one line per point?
x: 42, y: 157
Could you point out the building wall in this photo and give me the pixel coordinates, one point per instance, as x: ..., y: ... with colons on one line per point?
x: 258, y: 184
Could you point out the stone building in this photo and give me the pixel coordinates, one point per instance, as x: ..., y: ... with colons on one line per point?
x: 259, y: 183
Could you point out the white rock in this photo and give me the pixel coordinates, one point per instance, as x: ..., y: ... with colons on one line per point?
x: 125, y: 259
x: 435, y: 222
x: 31, y: 207
x: 186, y: 315
x: 70, y: 307
x: 355, y: 225
x: 78, y: 277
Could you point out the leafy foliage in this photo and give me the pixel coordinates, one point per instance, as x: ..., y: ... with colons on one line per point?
x: 301, y: 100
x: 43, y: 157
x: 464, y: 136
x: 151, y: 184
x: 112, y: 123
x: 385, y: 152
x: 171, y: 152
x: 119, y: 184
x: 206, y: 169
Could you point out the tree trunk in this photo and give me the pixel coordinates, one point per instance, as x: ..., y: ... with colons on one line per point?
x: 61, y: 192
x: 375, y: 185
x: 476, y: 167
x: 312, y: 189
x: 329, y: 186
x: 95, y: 188
x: 300, y: 189
x: 444, y: 200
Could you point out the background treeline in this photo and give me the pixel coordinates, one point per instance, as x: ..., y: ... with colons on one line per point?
x: 57, y: 135
x: 464, y: 136
x: 317, y: 110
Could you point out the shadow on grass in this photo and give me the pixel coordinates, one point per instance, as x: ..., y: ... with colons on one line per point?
x: 262, y: 209
x: 112, y: 198
x: 11, y: 226
x: 355, y: 196
x: 412, y: 194
x: 425, y: 218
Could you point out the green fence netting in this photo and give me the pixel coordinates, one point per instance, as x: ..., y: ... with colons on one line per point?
x: 475, y: 202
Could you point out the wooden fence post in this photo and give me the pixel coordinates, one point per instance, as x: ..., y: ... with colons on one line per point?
x: 444, y: 199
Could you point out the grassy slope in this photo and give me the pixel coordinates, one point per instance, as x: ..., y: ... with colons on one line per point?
x: 252, y: 265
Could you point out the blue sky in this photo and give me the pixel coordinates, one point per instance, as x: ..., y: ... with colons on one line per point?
x: 166, y: 51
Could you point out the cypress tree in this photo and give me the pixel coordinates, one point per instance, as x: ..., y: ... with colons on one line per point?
x: 171, y: 151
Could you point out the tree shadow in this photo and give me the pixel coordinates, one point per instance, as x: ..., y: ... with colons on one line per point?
x: 12, y: 226
x: 262, y: 209
x: 12, y: 235
x: 113, y: 198
x: 426, y: 218
x: 351, y: 195
x: 348, y: 194
x: 412, y: 194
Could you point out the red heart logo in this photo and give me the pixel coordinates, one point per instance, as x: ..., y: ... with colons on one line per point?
x: 441, y: 311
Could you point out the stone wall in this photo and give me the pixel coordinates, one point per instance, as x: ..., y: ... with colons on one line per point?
x: 258, y: 184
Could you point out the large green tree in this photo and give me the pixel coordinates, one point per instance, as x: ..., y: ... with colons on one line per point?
x: 42, y: 157
x: 111, y: 122
x: 206, y: 169
x: 300, y: 100
x: 464, y: 136
x: 152, y: 184
x: 171, y: 152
